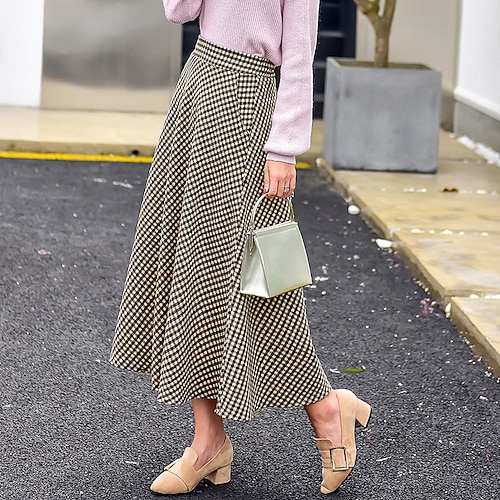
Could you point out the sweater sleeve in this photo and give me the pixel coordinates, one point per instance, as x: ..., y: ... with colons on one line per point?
x: 182, y: 11
x: 292, y: 118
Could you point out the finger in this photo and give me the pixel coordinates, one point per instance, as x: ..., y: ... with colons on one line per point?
x: 266, y: 178
x: 289, y: 186
x: 273, y: 189
x: 284, y: 191
x: 293, y: 184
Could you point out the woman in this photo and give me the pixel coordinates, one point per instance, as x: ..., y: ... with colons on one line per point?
x: 226, y: 139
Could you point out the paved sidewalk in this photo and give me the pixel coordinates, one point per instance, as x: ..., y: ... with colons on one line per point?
x: 446, y: 226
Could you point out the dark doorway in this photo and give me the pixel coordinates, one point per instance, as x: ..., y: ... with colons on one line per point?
x: 190, y: 32
x: 336, y: 37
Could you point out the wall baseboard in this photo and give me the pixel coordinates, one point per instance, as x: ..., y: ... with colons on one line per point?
x: 476, y: 125
x: 447, y: 110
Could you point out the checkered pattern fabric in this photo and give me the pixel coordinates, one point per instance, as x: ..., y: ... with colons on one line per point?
x: 182, y: 317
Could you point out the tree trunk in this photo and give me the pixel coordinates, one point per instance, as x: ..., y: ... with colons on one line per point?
x: 382, y: 26
x: 382, y: 44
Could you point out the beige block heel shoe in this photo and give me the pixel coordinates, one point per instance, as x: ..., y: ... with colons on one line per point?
x: 338, y: 462
x: 181, y: 477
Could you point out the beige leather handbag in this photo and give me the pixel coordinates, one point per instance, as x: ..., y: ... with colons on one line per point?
x: 275, y: 259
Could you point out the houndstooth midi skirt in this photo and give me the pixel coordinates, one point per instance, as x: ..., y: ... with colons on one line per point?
x: 182, y: 317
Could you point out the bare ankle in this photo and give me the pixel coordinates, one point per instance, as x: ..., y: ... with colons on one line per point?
x: 324, y: 416
x: 206, y: 447
x: 209, y: 435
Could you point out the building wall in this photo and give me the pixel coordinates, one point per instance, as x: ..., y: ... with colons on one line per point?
x: 87, y: 54
x: 478, y: 83
x: 477, y: 94
x: 118, y: 55
x: 21, y: 47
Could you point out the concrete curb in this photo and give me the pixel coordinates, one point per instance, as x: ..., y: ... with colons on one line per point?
x: 26, y: 146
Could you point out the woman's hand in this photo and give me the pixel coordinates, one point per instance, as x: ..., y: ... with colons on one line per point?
x: 279, y: 179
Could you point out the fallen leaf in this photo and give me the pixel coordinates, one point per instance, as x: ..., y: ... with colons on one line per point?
x: 354, y: 370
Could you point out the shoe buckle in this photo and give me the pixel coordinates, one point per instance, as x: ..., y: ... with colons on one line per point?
x: 346, y: 459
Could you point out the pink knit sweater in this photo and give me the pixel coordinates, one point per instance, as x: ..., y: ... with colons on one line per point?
x: 283, y: 31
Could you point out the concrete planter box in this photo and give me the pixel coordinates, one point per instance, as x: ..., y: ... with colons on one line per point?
x: 381, y: 118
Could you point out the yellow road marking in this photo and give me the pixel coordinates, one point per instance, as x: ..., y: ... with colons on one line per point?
x: 75, y: 157
x: 92, y: 158
x: 302, y: 165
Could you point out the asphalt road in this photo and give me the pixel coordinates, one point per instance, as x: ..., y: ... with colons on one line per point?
x: 72, y: 426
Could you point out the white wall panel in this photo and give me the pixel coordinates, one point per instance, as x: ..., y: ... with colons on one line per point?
x: 21, y: 49
x: 479, y: 57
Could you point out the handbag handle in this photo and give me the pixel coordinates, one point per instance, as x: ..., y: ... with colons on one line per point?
x: 256, y: 206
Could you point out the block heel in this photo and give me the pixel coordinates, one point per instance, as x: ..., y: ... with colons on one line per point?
x: 363, y: 413
x: 220, y: 476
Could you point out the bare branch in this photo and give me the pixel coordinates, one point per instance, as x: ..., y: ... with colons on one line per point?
x: 389, y: 8
x: 370, y: 8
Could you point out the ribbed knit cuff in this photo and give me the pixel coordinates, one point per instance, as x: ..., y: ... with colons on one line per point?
x: 283, y: 158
